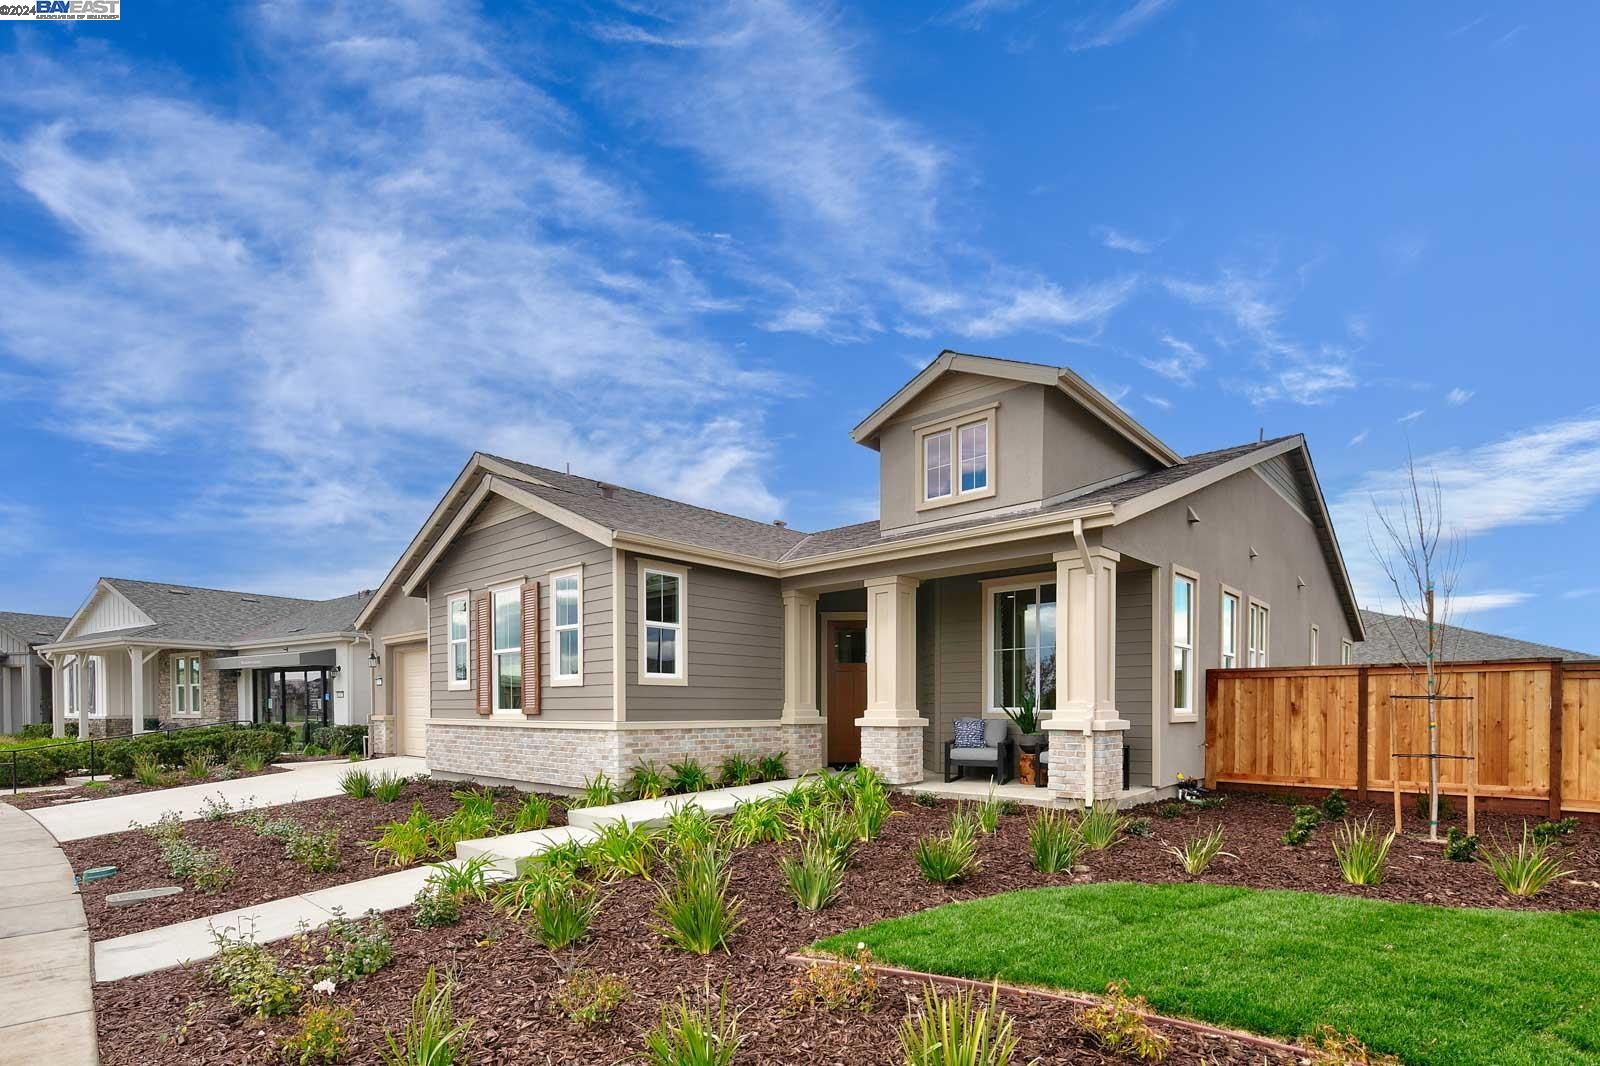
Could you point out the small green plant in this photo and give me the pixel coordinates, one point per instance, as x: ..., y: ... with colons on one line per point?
x: 1139, y: 827
x: 696, y: 908
x: 756, y: 822
x: 407, y: 842
x: 738, y: 770
x: 1526, y: 869
x: 623, y: 850
x: 1445, y: 807
x: 1306, y: 820
x: 432, y: 1037
x: 1334, y: 806
x: 687, y: 776
x: 689, y: 828
x: 948, y: 857
x: 1170, y: 809
x: 435, y: 908
x: 476, y: 803
x: 958, y: 1029
x: 351, y: 949
x: 562, y: 914
x: 870, y: 808
x: 925, y: 799
x: 1120, y: 1023
x: 845, y: 982
x: 251, y: 762
x: 534, y: 879
x: 1361, y: 853
x: 986, y: 813
x: 197, y: 763
x: 169, y: 826
x: 694, y: 1037
x: 1458, y: 847
x: 321, y: 1037
x: 1101, y: 826
x: 389, y: 786
x: 1212, y: 802
x: 146, y: 770
x: 1199, y: 851
x: 1551, y: 832
x: 215, y: 808
x: 252, y: 977
x: 589, y: 997
x: 1054, y: 839
x: 212, y: 876
x: 317, y: 851
x: 356, y: 783
x: 815, y: 876
x: 465, y: 879
x: 533, y: 813
x: 1329, y: 1047
x: 773, y: 767
x: 646, y: 782
x: 598, y: 791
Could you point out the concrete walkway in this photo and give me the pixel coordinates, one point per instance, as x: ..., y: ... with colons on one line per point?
x: 302, y: 781
x: 46, y: 998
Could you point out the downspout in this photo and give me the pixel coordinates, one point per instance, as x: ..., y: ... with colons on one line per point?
x: 1088, y: 725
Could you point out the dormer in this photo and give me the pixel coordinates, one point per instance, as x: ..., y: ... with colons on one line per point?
x: 973, y: 436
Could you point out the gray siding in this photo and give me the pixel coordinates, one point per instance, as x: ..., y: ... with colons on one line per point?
x: 1281, y: 477
x: 1135, y: 666
x: 526, y: 547
x: 735, y: 650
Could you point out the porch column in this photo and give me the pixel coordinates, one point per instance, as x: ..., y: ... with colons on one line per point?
x: 136, y: 687
x: 803, y: 725
x: 29, y: 712
x: 1086, y: 731
x: 891, y: 729
x: 58, y: 696
x: 5, y: 700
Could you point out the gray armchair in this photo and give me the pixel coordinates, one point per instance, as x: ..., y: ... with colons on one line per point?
x: 995, y: 755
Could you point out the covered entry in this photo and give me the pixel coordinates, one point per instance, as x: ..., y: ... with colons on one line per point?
x: 298, y: 698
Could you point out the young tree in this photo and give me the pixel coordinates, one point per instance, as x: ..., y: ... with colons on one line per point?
x: 1421, y: 558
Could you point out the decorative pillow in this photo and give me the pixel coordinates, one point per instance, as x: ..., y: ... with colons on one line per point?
x: 969, y: 733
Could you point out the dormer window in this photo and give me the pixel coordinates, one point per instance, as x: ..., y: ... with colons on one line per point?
x: 955, y: 459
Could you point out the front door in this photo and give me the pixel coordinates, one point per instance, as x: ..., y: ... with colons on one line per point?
x: 846, y: 680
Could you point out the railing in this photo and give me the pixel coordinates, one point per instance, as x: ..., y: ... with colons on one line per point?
x: 92, y: 741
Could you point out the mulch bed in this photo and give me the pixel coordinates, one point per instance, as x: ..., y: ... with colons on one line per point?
x: 262, y: 872
x: 506, y: 980
x: 124, y: 786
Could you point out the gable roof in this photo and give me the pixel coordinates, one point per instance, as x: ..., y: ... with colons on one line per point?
x: 32, y: 629
x: 1393, y: 638
x: 188, y: 614
x: 1063, y: 378
x: 322, y: 618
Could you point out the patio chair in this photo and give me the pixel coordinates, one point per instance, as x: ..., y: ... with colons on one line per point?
x: 995, y: 754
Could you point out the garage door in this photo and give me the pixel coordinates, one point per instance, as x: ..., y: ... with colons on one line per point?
x: 411, y: 706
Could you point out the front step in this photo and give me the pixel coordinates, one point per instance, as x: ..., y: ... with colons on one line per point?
x: 505, y: 852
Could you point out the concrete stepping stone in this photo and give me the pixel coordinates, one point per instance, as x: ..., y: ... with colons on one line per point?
x: 139, y: 895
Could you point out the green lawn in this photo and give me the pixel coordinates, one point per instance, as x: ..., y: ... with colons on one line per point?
x: 1430, y: 984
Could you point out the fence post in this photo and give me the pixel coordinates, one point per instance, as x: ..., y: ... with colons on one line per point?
x: 1557, y: 698
x: 1363, y: 708
x: 1211, y: 729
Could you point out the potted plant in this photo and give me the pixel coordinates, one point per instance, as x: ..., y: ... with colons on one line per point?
x: 1026, y: 719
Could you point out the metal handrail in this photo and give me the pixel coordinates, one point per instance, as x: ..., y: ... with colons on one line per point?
x: 92, y: 740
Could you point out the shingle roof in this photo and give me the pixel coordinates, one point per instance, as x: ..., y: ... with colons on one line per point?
x: 1393, y: 638
x: 324, y: 616
x: 188, y: 614
x: 33, y: 628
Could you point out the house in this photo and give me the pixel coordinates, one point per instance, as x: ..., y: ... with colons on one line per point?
x: 142, y: 655
x: 1033, y: 539
x: 24, y: 676
x: 1393, y: 638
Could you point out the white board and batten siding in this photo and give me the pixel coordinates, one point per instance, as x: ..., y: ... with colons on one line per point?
x: 109, y: 611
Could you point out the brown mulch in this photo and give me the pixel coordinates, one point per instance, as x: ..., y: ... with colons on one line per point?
x: 506, y: 980
x: 262, y: 872
x: 113, y: 787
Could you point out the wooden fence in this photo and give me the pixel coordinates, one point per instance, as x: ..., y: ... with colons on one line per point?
x: 1538, y: 724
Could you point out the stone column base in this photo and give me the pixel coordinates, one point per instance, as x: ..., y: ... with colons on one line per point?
x: 895, y: 751
x: 1074, y: 756
x: 105, y: 727
x: 803, y: 742
x: 378, y: 736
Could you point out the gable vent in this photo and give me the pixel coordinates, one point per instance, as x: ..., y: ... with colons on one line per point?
x: 178, y: 592
x: 248, y: 599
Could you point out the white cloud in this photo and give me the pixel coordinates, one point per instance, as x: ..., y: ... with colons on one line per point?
x: 1509, y: 36
x: 1466, y: 26
x: 1359, y: 438
x: 1158, y: 401
x: 1581, y: 594
x: 1410, y: 416
x: 1102, y: 29
x: 1181, y: 365
x: 1464, y: 604
x: 1118, y: 241
x: 974, y: 14
x: 1046, y: 306
x: 1458, y: 396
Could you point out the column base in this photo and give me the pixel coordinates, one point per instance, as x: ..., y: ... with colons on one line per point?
x: 1085, y: 765
x: 893, y: 748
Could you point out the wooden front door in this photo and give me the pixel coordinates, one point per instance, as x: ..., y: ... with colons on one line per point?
x: 846, y: 678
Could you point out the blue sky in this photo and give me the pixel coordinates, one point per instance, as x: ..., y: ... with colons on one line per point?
x: 274, y: 271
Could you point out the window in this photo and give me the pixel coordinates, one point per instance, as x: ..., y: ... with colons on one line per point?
x: 1260, y: 630
x: 1347, y: 652
x: 974, y: 456
x: 1313, y: 658
x: 1230, y: 630
x: 70, y: 682
x: 94, y: 676
x: 936, y: 466
x: 566, y: 626
x: 1182, y: 644
x: 506, y: 643
x: 185, y: 685
x: 1021, y: 639
x: 661, y: 614
x: 457, y: 617
x: 955, y: 459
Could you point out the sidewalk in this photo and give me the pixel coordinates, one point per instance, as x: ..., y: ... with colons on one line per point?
x: 302, y: 781
x: 46, y: 1002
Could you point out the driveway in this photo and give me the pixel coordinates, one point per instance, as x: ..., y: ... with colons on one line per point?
x: 302, y: 781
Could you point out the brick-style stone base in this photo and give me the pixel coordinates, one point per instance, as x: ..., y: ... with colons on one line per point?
x: 1070, y: 755
x: 893, y: 751
x: 378, y: 736
x: 105, y: 727
x: 569, y: 757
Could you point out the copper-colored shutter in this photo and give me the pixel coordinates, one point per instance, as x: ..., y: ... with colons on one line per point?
x: 483, y: 656
x: 532, y: 690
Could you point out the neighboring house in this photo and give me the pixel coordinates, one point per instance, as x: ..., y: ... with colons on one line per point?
x: 1393, y: 638
x: 24, y: 676
x: 1034, y: 539
x: 140, y: 655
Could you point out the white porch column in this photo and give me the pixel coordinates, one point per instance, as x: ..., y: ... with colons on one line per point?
x: 803, y: 725
x: 5, y: 701
x: 58, y: 697
x: 1086, y: 731
x: 891, y: 729
x: 29, y: 712
x: 136, y: 687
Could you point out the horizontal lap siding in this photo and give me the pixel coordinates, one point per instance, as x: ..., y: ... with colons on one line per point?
x: 959, y: 659
x: 1135, y: 666
x: 734, y: 645
x: 526, y: 546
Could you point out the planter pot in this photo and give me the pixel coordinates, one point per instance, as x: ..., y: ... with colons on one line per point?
x: 1031, y: 742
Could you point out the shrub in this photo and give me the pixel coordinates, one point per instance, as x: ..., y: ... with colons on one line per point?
x: 212, y: 876
x: 925, y: 799
x: 1053, y: 836
x: 957, y: 1030
x: 1139, y: 827
x: 197, y: 763
x: 646, y: 781
x: 533, y: 813
x: 687, y: 776
x: 949, y: 857
x: 773, y: 767
x: 517, y: 897
x: 215, y: 808
x: 353, y: 948
x: 696, y: 909
x: 466, y: 879
x: 588, y: 997
x: 435, y: 908
x: 1306, y: 820
x: 563, y: 913
x: 1198, y: 852
x: 251, y: 762
x: 623, y: 850
x: 737, y: 770
x: 1550, y: 832
x: 1334, y: 806
x: 473, y: 818
x: 845, y: 982
x: 598, y: 791
x: 316, y: 850
x: 169, y: 826
x: 1170, y: 809
x: 1212, y: 802
x: 687, y: 1037
x: 252, y: 977
x: 389, y: 786
x: 1458, y: 847
x: 340, y: 739
x: 405, y: 842
x: 35, y: 731
x: 146, y: 770
x: 320, y: 1038
x: 356, y: 783
x: 432, y: 1037
x: 1360, y: 853
x: 815, y: 877
x: 1445, y: 807
x: 870, y: 808
x: 1119, y: 1023
x: 1101, y: 826
x: 1525, y: 870
x: 756, y: 821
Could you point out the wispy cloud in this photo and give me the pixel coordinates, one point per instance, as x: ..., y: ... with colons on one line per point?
x: 1119, y: 241
x: 1181, y: 363
x: 1109, y: 27
x: 974, y: 14
x: 1158, y: 401
x: 1359, y: 439
x: 1469, y: 603
x: 1047, y: 306
x: 1509, y: 36
x: 1467, y: 26
x: 1581, y: 594
x: 1458, y: 396
x: 1410, y: 417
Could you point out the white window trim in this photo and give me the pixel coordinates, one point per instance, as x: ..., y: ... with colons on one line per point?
x: 681, y: 677
x: 984, y: 414
x: 193, y: 708
x: 1347, y: 653
x: 99, y: 686
x: 1010, y: 584
x: 1192, y: 713
x: 72, y: 684
x: 1266, y: 634
x: 496, y: 652
x: 450, y: 645
x: 1240, y: 612
x: 557, y: 678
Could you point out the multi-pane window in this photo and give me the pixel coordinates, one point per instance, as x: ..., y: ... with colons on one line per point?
x: 506, y: 642
x: 1022, y: 644
x: 955, y: 459
x: 185, y: 684
x: 1230, y: 631
x: 566, y: 648
x: 71, y: 668
x: 1182, y: 644
x: 974, y: 445
x: 1347, y: 652
x: 663, y: 624
x: 1260, y: 629
x: 457, y: 615
x: 936, y: 465
x: 91, y: 685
